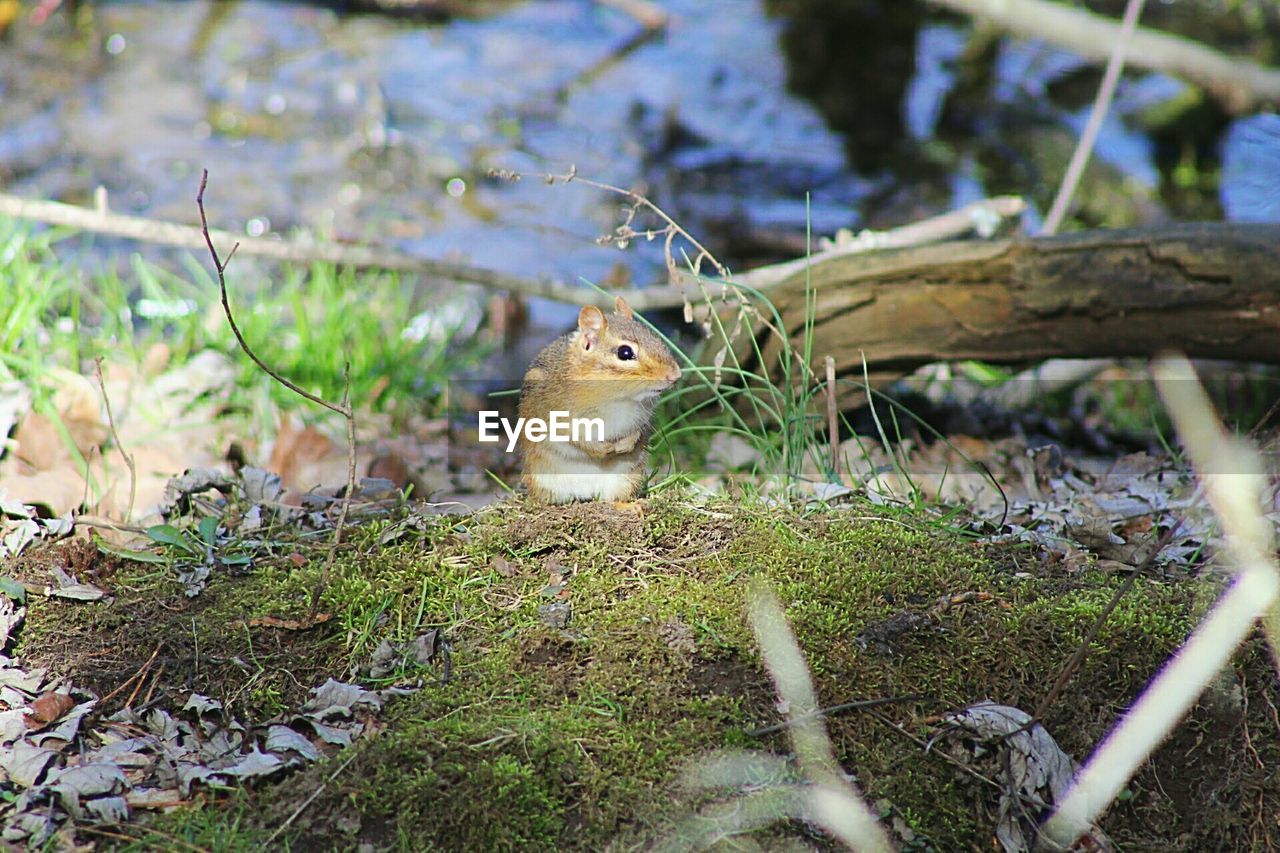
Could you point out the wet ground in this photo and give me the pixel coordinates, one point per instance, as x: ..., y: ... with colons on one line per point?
x: 750, y: 122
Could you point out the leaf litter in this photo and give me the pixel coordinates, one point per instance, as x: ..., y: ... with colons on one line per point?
x: 1032, y: 771
x: 62, y: 761
x: 1080, y: 508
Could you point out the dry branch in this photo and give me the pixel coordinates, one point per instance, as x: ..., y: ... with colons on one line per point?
x: 103, y: 221
x: 1239, y: 84
x: 344, y: 408
x: 1101, y: 104
x: 980, y: 215
x: 1211, y: 290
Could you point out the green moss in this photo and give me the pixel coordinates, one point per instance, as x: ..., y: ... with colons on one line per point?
x: 574, y: 737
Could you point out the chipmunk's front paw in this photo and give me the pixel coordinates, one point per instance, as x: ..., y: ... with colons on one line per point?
x: 627, y: 443
x: 630, y: 507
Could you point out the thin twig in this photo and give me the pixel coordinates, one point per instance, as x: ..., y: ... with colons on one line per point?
x: 1233, y: 480
x: 309, y: 800
x: 344, y: 408
x: 133, y: 694
x: 108, y: 524
x: 652, y: 20
x: 823, y: 713
x: 1082, y: 650
x: 103, y: 221
x: 1239, y: 84
x: 170, y: 841
x: 983, y: 217
x: 142, y: 671
x: 649, y: 15
x: 1101, y: 104
x: 833, y: 422
x: 925, y: 745
x: 115, y: 436
x: 221, y: 268
x: 341, y: 523
x: 155, y: 682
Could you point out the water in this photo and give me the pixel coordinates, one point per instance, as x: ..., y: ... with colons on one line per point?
x: 367, y: 127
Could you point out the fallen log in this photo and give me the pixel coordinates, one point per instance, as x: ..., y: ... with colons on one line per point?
x: 1210, y: 290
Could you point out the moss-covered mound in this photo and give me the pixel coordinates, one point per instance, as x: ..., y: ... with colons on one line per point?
x: 597, y: 653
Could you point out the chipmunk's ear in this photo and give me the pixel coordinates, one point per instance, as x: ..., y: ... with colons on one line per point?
x: 621, y: 308
x: 591, y: 324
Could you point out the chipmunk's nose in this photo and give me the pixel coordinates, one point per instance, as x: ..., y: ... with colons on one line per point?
x: 673, y: 375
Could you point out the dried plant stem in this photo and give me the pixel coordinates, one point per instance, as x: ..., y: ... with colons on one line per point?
x: 823, y: 713
x: 311, y: 799
x: 100, y: 220
x: 344, y: 408
x: 648, y: 14
x: 738, y: 287
x: 1082, y: 650
x: 115, y: 436
x: 131, y: 840
x: 140, y: 674
x: 1232, y: 479
x: 832, y: 800
x: 833, y: 415
x: 1239, y: 84
x: 1101, y: 104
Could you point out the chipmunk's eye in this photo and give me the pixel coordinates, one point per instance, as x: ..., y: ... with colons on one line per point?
x: 626, y: 353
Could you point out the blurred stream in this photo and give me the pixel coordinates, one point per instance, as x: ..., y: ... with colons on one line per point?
x: 370, y: 127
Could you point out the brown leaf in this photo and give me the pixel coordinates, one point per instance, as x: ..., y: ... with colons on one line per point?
x: 39, y: 444
x: 47, y: 708
x: 503, y: 566
x: 298, y: 451
x: 390, y: 465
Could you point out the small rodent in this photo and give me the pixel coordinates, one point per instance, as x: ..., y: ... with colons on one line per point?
x: 611, y: 368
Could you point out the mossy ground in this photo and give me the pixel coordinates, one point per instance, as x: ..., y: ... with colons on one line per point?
x: 574, y: 738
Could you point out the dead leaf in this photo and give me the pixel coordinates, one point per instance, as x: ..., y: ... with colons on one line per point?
x: 39, y: 444
x: 298, y: 453
x: 284, y: 739
x: 47, y: 708
x: 1033, y: 770
x: 503, y: 567
x: 25, y: 763
x: 338, y: 699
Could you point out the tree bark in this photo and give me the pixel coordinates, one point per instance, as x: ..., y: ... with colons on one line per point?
x: 1210, y: 290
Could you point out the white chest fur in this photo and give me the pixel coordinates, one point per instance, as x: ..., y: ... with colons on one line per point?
x: 578, y: 477
x: 621, y: 418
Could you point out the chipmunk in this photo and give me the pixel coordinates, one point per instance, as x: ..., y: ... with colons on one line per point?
x: 611, y: 368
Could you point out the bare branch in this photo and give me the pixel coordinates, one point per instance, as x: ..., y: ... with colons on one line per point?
x: 344, y: 408
x: 101, y: 221
x: 1101, y: 104
x: 221, y: 266
x: 115, y: 436
x: 1239, y: 84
